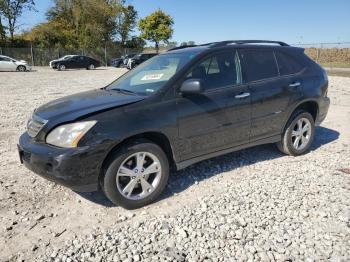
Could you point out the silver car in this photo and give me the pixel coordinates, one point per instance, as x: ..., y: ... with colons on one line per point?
x: 10, y: 64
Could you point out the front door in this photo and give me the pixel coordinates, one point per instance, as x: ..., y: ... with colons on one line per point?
x: 219, y: 118
x: 7, y: 64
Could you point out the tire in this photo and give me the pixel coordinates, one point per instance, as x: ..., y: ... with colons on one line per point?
x: 296, y: 141
x: 61, y: 67
x: 122, y: 171
x: 21, y: 68
x: 91, y: 67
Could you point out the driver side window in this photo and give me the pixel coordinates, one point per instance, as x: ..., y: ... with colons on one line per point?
x: 219, y: 70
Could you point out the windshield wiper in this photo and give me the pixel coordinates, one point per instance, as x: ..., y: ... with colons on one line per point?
x: 125, y: 91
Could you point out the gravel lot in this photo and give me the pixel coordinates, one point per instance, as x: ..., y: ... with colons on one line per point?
x: 255, y: 204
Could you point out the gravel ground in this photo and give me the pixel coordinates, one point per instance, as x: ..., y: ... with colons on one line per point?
x: 255, y: 204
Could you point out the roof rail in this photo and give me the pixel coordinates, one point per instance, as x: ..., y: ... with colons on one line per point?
x: 229, y: 42
x: 241, y: 42
x: 181, y: 47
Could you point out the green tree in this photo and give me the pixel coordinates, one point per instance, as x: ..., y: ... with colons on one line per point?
x: 78, y: 24
x: 2, y: 31
x: 135, y: 43
x: 157, y: 27
x: 126, y: 22
x: 12, y: 10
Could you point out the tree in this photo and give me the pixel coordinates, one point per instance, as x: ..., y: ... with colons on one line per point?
x: 78, y: 24
x: 135, y: 43
x: 126, y: 22
x: 157, y: 27
x: 2, y: 31
x: 12, y: 10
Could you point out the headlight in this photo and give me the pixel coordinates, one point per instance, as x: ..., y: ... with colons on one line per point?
x: 68, y: 136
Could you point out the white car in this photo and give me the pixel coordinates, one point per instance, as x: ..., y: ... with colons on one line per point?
x: 10, y: 64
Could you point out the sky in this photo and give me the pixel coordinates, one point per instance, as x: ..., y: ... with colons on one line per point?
x: 292, y: 21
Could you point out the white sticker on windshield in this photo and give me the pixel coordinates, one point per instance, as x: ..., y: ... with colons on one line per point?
x: 152, y: 77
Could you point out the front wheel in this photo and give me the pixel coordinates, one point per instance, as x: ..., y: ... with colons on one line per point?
x: 61, y: 67
x: 21, y: 68
x: 298, y: 135
x: 136, y: 174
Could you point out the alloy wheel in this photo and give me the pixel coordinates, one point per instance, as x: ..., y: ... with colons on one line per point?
x: 301, y: 133
x: 139, y: 175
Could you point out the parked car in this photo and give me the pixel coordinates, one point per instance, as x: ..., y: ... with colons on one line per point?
x: 174, y: 110
x: 75, y: 62
x: 139, y: 59
x: 53, y: 64
x: 117, y: 62
x: 10, y: 64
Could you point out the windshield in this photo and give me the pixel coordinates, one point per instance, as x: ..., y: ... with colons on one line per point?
x: 66, y: 57
x: 153, y: 74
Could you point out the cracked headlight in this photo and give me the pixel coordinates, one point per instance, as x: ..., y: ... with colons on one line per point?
x: 69, y: 135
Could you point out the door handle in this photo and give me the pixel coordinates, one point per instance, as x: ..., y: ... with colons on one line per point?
x: 242, y: 95
x: 296, y: 84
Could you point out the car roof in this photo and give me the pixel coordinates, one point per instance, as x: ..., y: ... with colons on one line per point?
x: 256, y: 44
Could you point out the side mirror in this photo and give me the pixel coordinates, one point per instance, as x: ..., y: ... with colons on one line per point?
x: 191, y: 87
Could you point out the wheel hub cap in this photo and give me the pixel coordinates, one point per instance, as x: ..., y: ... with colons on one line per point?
x: 301, y: 133
x: 139, y: 175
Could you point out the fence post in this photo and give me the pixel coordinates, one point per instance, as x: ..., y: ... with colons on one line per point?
x: 32, y: 54
x: 0, y: 50
x: 106, y: 62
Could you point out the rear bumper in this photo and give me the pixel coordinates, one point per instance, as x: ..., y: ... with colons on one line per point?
x: 323, y: 107
x: 77, y: 169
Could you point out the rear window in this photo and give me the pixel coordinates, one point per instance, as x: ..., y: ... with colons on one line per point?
x: 287, y: 64
x: 258, y: 64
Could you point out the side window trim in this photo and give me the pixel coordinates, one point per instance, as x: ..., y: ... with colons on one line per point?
x: 276, y: 62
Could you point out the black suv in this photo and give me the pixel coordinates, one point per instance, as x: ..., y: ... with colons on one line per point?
x: 174, y: 110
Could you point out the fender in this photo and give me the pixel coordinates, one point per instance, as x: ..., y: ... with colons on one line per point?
x: 294, y: 107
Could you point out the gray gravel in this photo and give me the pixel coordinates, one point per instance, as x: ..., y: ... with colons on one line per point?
x: 255, y: 204
x: 266, y: 217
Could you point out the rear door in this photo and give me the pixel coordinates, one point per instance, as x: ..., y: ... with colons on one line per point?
x: 216, y: 119
x: 270, y: 93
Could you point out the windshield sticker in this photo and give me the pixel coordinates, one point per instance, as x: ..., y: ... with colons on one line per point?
x: 152, y: 77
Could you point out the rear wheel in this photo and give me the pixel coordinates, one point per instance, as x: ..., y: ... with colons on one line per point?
x: 21, y: 68
x: 136, y: 174
x: 91, y: 67
x: 298, y: 135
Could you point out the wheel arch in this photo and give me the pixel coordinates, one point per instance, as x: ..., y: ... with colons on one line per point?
x: 158, y: 138
x: 310, y: 106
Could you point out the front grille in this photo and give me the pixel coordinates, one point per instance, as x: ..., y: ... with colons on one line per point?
x: 34, y: 126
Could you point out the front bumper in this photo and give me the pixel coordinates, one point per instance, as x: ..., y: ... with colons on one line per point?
x: 323, y: 105
x: 77, y: 168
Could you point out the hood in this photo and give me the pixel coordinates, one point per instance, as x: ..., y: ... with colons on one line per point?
x: 56, y: 60
x: 21, y: 62
x: 75, y: 106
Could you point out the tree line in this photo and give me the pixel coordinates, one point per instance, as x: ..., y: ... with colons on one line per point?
x: 84, y: 24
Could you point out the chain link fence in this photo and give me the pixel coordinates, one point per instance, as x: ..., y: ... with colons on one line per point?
x: 42, y: 56
x: 332, y: 55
